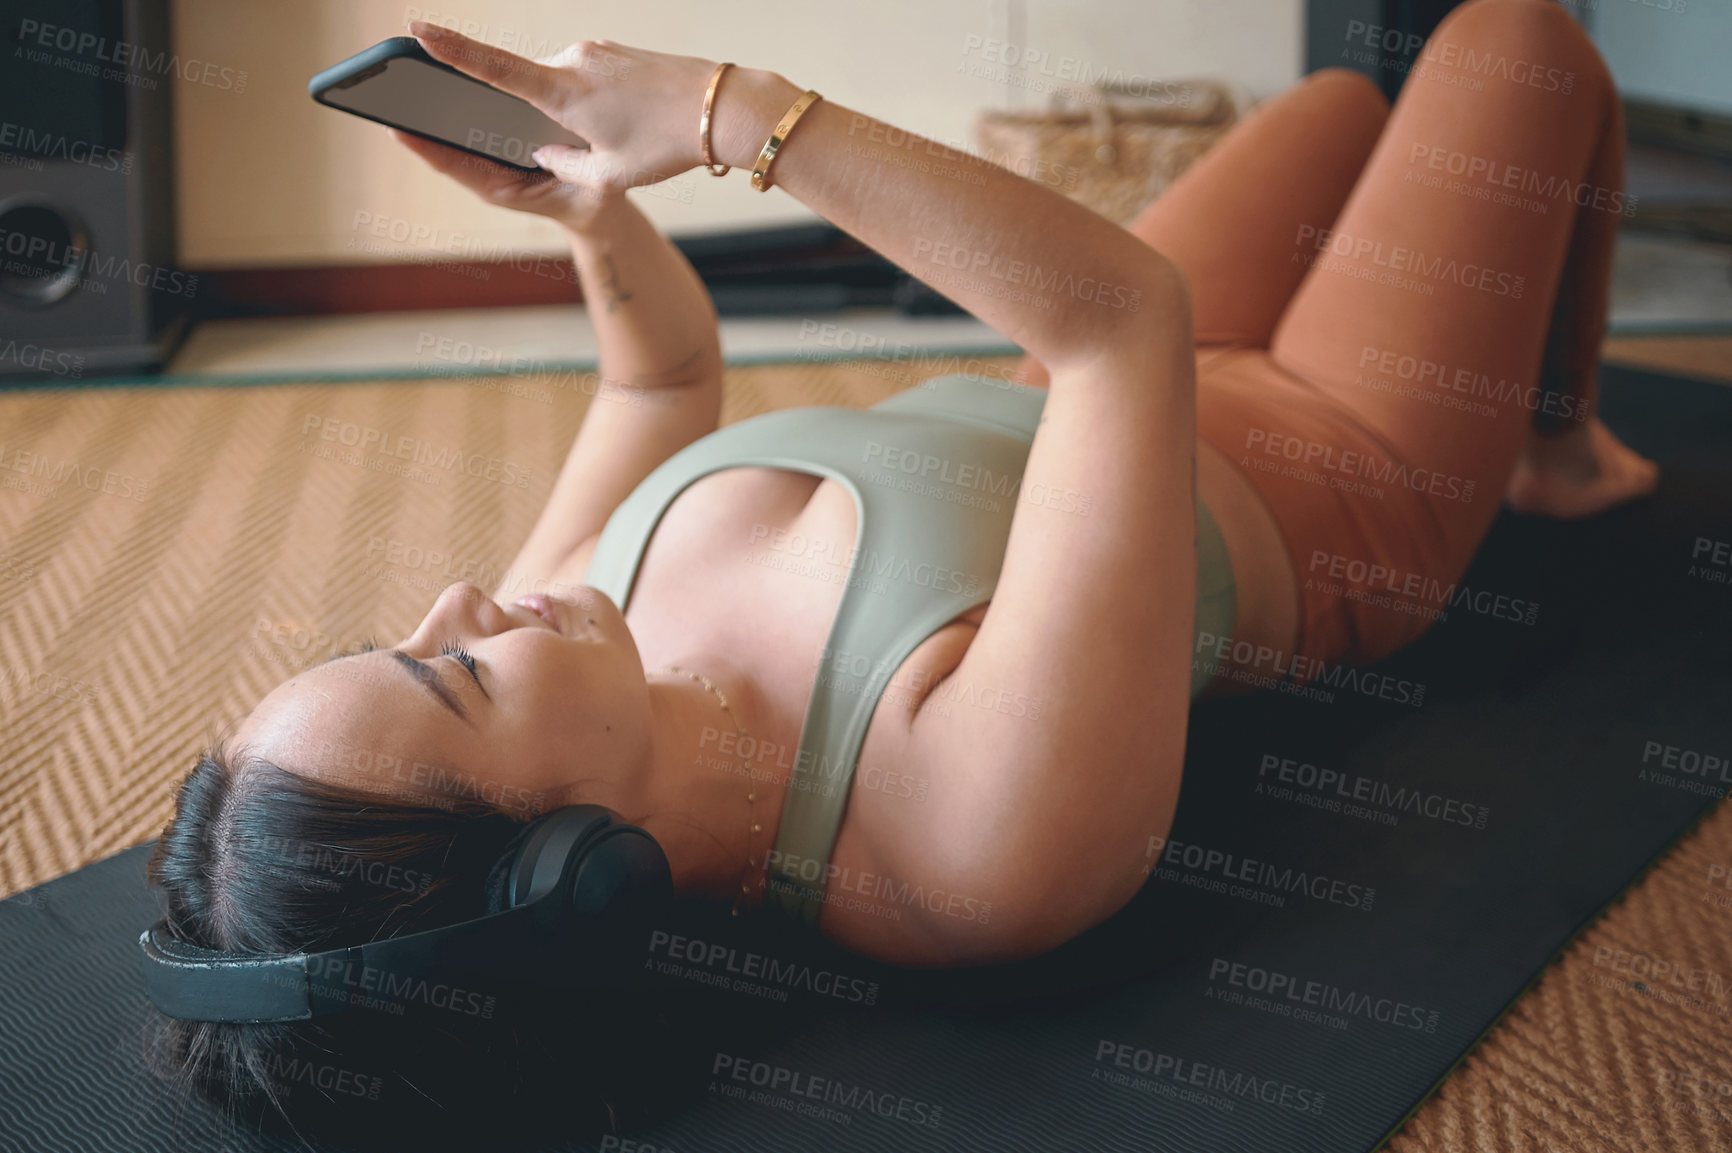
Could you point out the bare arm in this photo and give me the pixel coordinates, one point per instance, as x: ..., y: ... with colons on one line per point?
x: 1048, y: 821
x: 660, y: 379
x: 660, y: 384
x: 1055, y: 278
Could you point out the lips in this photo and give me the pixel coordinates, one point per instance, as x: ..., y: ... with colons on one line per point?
x: 549, y: 610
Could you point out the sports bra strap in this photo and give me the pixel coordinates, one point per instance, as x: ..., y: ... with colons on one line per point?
x: 935, y: 473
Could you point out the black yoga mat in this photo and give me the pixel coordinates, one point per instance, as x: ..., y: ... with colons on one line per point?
x: 1354, y: 890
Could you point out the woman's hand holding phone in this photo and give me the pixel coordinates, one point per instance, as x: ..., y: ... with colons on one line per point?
x: 638, y: 109
x: 579, y: 207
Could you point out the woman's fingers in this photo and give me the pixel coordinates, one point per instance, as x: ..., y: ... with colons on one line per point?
x: 446, y: 159
x: 474, y: 172
x: 441, y: 156
x: 586, y: 168
x: 534, y: 82
x: 571, y: 165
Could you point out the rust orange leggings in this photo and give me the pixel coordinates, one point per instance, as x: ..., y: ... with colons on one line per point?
x: 1387, y: 302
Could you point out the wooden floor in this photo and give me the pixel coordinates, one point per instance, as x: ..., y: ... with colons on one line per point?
x: 1707, y: 357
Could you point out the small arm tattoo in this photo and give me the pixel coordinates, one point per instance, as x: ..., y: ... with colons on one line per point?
x: 615, y: 293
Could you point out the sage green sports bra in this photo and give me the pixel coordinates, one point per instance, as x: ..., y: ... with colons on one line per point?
x: 935, y: 473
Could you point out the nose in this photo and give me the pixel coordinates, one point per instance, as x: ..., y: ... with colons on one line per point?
x: 463, y: 610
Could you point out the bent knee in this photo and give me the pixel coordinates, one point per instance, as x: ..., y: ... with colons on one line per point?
x: 1534, y: 32
x: 1349, y: 101
x: 1353, y: 91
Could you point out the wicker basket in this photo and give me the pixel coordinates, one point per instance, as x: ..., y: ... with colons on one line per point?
x: 1113, y: 149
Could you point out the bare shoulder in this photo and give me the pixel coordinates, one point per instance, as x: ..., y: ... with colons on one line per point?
x: 1053, y: 747
x: 909, y: 883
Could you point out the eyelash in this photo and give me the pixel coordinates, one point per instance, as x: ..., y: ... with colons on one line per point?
x: 367, y: 646
x: 461, y: 654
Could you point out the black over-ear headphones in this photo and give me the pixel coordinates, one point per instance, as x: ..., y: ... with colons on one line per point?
x: 576, y: 876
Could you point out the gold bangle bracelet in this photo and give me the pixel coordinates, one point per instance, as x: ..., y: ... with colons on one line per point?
x: 774, y: 143
x: 710, y: 164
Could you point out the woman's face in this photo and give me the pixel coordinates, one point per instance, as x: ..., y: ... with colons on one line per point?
x: 552, y: 692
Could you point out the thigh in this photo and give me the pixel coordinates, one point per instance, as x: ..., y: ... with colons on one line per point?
x: 1344, y: 534
x: 1228, y: 222
x: 1425, y: 310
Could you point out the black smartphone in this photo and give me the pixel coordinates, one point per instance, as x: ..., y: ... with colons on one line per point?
x: 395, y: 82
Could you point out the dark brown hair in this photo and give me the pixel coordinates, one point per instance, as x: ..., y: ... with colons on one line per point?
x: 258, y: 859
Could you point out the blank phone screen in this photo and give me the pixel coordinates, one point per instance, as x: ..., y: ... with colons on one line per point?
x: 412, y: 94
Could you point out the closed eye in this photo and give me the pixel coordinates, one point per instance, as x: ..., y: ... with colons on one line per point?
x: 461, y: 655
x: 367, y: 646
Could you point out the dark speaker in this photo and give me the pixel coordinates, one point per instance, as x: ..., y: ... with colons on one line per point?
x: 88, y: 283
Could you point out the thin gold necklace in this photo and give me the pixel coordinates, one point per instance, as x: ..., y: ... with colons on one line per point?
x: 752, y: 790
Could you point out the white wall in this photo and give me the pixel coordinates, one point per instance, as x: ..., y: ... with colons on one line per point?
x: 1666, y: 51
x: 268, y: 177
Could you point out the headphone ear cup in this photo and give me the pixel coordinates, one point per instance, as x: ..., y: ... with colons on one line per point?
x: 624, y: 869
x: 496, y: 891
x: 589, y: 853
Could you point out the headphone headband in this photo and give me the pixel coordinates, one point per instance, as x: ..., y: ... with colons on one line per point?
x: 577, y: 874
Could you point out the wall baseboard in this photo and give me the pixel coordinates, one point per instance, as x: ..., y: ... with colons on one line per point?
x: 1689, y: 130
x: 318, y: 290
x: 755, y: 272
